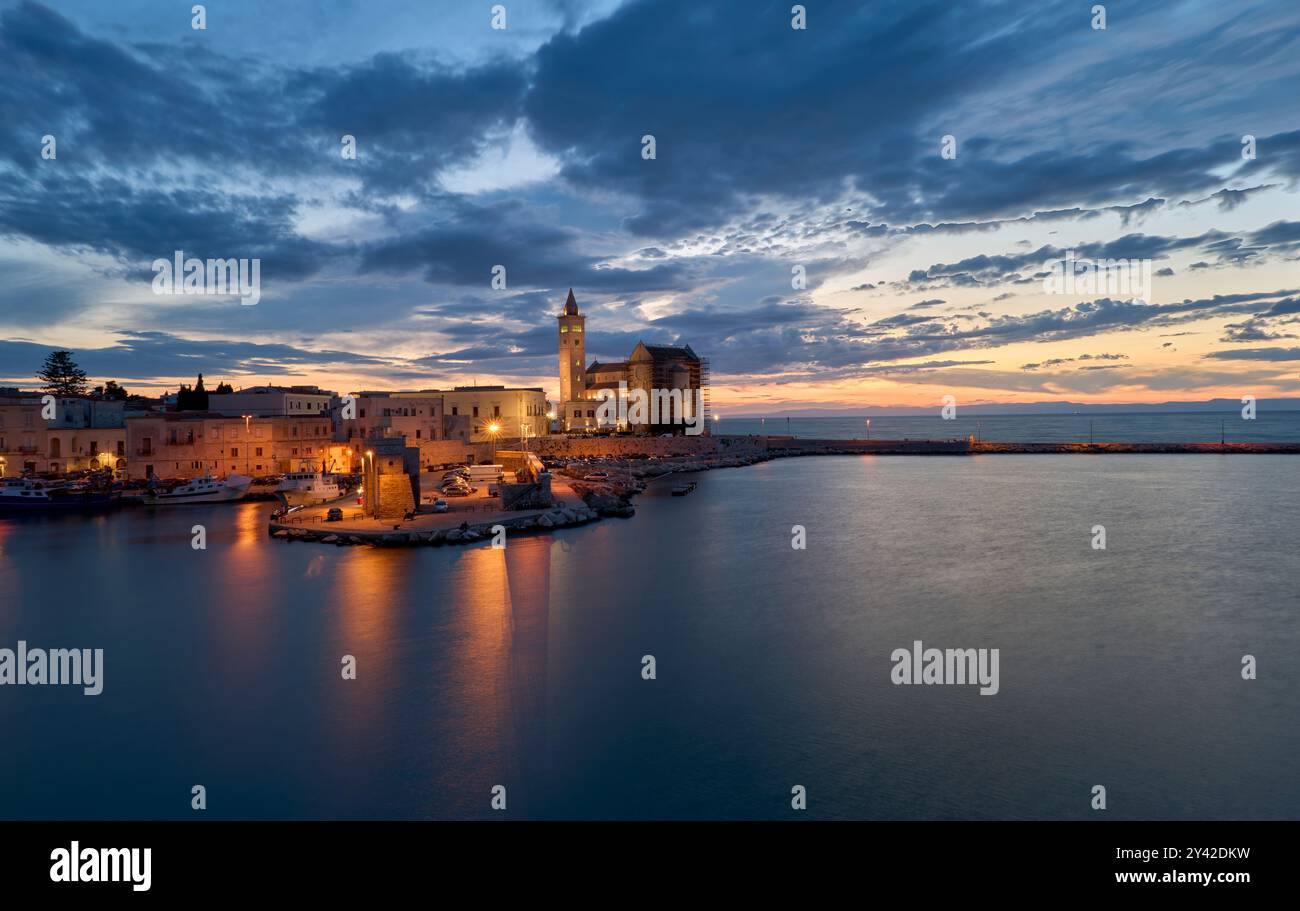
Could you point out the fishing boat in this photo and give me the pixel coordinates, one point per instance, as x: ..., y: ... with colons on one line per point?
x: 204, y: 489
x: 36, y: 495
x: 682, y: 490
x: 307, y: 488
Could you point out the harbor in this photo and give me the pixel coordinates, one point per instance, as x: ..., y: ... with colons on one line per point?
x: 484, y: 665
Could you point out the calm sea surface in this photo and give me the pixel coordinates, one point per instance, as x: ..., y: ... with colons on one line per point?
x: 1184, y: 427
x: 522, y: 667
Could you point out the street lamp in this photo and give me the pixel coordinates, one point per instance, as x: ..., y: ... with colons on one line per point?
x: 371, y: 490
x: 868, y: 428
x: 494, y: 430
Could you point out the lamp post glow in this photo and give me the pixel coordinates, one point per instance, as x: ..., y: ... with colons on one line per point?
x: 372, y: 490
x: 493, y: 431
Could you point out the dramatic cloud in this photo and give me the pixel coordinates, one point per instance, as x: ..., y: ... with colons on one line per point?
x: 779, y: 152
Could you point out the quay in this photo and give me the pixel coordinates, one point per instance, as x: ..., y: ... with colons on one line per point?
x: 594, y: 477
x: 466, y: 520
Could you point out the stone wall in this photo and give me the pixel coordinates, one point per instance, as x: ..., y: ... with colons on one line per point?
x: 445, y: 452
x: 395, y: 498
x: 622, y: 447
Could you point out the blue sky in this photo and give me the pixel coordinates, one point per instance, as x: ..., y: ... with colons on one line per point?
x: 775, y: 148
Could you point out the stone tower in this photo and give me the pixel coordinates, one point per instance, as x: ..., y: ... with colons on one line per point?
x: 573, y: 352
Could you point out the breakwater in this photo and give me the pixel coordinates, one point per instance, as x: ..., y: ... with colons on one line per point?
x: 789, y: 446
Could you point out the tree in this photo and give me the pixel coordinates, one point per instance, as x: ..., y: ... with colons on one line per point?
x: 61, y: 375
x: 112, y: 392
x: 195, y: 399
x: 223, y: 388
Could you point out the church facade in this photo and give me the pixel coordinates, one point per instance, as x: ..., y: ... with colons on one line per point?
x: 650, y: 368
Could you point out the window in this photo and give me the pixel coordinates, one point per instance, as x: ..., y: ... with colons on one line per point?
x: 496, y: 411
x: 577, y: 412
x: 455, y: 410
x: 234, y: 452
x: 564, y: 328
x: 591, y: 412
x: 295, y: 429
x: 577, y: 328
x: 121, y: 447
x: 258, y: 452
x: 417, y: 434
x: 475, y: 411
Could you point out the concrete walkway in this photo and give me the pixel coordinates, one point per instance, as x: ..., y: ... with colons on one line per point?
x: 476, y: 510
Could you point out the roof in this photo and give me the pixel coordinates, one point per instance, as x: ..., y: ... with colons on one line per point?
x: 615, y: 365
x: 571, y: 305
x: 668, y: 352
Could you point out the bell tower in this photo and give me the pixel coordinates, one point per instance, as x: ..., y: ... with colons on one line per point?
x: 573, y: 353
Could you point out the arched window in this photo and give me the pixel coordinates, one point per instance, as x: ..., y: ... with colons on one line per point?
x: 55, y: 447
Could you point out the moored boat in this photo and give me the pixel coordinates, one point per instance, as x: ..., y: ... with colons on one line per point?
x: 36, y: 495
x: 306, y: 488
x: 204, y: 489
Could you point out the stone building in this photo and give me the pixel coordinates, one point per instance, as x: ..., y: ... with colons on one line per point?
x: 183, y: 444
x: 80, y: 433
x: 649, y: 368
x: 272, y: 401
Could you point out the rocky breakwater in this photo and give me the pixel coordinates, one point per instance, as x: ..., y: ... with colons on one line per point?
x: 607, y: 499
x: 563, y: 516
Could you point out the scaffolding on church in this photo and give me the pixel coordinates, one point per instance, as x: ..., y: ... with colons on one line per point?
x: 704, y: 395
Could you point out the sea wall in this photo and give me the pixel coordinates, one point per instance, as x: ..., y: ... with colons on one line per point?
x: 447, y: 452
x: 626, y: 447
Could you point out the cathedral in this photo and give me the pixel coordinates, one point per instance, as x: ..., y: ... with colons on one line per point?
x: 584, y: 387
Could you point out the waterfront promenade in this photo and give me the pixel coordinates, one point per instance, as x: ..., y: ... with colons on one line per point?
x: 467, y: 519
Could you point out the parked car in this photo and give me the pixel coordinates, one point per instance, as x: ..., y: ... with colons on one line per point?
x: 441, y: 505
x: 334, y: 515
